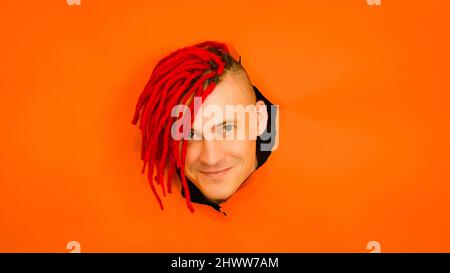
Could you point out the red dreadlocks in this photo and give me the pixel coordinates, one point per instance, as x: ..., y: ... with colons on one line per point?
x: 176, y: 79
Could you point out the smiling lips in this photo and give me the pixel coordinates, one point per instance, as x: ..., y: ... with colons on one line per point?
x: 216, y: 174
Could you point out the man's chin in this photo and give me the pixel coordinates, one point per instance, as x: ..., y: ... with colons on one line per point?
x: 215, y: 192
x: 218, y: 198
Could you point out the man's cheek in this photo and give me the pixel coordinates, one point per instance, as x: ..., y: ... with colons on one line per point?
x: 243, y: 147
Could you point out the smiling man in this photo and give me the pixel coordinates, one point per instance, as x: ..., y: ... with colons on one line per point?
x: 202, y: 118
x: 220, y: 164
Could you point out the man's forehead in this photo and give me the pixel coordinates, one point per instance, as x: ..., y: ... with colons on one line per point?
x: 233, y: 88
x: 232, y: 93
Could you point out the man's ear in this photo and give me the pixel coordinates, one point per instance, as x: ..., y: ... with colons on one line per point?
x: 261, y: 116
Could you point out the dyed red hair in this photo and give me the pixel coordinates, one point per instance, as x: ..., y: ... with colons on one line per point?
x: 176, y: 79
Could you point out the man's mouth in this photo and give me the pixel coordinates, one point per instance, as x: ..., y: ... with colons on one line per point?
x: 216, y: 173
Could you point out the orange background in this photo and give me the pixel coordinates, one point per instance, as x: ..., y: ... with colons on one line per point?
x: 364, y: 126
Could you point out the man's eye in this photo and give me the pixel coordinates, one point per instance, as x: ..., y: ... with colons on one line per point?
x: 228, y: 127
x: 195, y: 136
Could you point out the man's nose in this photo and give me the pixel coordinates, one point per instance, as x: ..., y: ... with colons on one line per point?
x: 211, y: 152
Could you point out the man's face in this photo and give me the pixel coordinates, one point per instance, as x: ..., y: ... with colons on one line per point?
x: 218, y: 167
